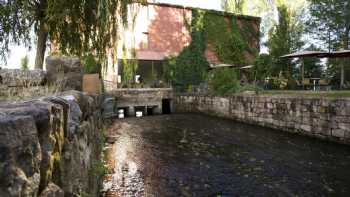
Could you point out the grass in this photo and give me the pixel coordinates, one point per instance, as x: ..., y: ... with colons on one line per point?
x: 307, y: 93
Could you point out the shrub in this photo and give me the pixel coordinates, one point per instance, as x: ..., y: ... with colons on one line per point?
x: 24, y: 63
x: 224, y: 81
x: 279, y: 83
x: 262, y: 67
x: 91, y: 66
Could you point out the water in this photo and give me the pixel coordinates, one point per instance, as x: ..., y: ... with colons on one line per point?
x: 197, y: 155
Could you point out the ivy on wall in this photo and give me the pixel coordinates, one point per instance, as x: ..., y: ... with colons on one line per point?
x: 228, y: 40
x: 129, y: 68
x: 190, y: 66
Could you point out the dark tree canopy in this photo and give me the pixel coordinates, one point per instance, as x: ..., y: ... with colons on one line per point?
x: 330, y: 22
x: 77, y: 27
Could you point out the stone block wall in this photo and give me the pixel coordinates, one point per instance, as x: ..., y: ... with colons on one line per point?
x: 65, y: 71
x: 51, y: 146
x: 325, y: 118
x: 19, y: 78
x: 61, y: 74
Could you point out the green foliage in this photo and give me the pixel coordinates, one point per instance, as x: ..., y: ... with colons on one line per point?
x: 129, y: 68
x: 235, y: 6
x: 78, y: 27
x: 91, y: 66
x: 226, y: 38
x: 330, y: 22
x: 279, y: 83
x: 262, y: 67
x: 312, y: 65
x: 284, y: 38
x: 24, y: 63
x: 190, y: 67
x: 224, y: 81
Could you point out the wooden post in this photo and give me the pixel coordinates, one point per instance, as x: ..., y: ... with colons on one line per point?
x: 342, y: 75
x: 302, y: 72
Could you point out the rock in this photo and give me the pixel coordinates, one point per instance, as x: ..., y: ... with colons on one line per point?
x: 66, y: 71
x: 20, y: 156
x: 32, y: 136
x: 52, y: 190
x: 19, y: 78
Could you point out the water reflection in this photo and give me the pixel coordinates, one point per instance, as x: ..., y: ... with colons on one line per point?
x: 195, y: 155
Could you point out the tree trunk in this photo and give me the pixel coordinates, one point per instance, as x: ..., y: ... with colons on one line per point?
x: 346, y: 46
x: 41, y: 46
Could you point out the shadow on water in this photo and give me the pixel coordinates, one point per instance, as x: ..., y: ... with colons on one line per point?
x: 197, y: 155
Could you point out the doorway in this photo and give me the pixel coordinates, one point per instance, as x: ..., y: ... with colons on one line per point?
x: 166, y: 106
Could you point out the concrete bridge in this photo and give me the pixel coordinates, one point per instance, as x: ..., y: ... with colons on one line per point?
x: 150, y: 101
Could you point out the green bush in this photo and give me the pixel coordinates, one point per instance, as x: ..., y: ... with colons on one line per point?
x: 224, y: 81
x: 24, y: 63
x: 91, y: 66
x: 262, y: 67
x: 279, y: 83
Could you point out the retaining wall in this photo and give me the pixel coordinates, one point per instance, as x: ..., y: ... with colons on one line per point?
x: 326, y: 118
x: 51, y: 146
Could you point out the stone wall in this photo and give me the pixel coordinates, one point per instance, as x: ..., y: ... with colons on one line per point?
x: 51, y: 146
x: 130, y: 98
x: 325, y: 118
x: 18, y: 77
x: 65, y: 71
x: 62, y: 74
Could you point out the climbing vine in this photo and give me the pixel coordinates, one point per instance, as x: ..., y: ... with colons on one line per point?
x: 129, y: 68
x: 190, y: 66
x: 222, y: 34
x: 230, y: 38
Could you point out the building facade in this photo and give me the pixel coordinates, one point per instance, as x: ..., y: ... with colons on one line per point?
x: 156, y: 31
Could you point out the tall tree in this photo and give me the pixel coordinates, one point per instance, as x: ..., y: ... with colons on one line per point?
x: 236, y: 6
x: 312, y: 65
x: 284, y: 38
x: 330, y: 23
x: 77, y: 26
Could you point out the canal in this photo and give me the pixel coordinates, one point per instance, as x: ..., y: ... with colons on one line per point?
x: 198, y: 155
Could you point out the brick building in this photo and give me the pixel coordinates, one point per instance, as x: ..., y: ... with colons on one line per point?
x: 156, y: 31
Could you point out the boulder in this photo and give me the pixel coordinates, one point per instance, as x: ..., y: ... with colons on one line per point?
x: 52, y: 190
x: 32, y: 136
x: 65, y: 72
x: 20, y: 156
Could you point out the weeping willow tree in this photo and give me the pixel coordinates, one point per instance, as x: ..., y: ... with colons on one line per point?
x: 78, y: 27
x: 236, y: 6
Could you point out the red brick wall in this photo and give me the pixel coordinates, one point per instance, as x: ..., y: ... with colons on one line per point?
x: 167, y: 34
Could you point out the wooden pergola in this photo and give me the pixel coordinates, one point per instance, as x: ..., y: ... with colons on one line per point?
x: 320, y: 54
